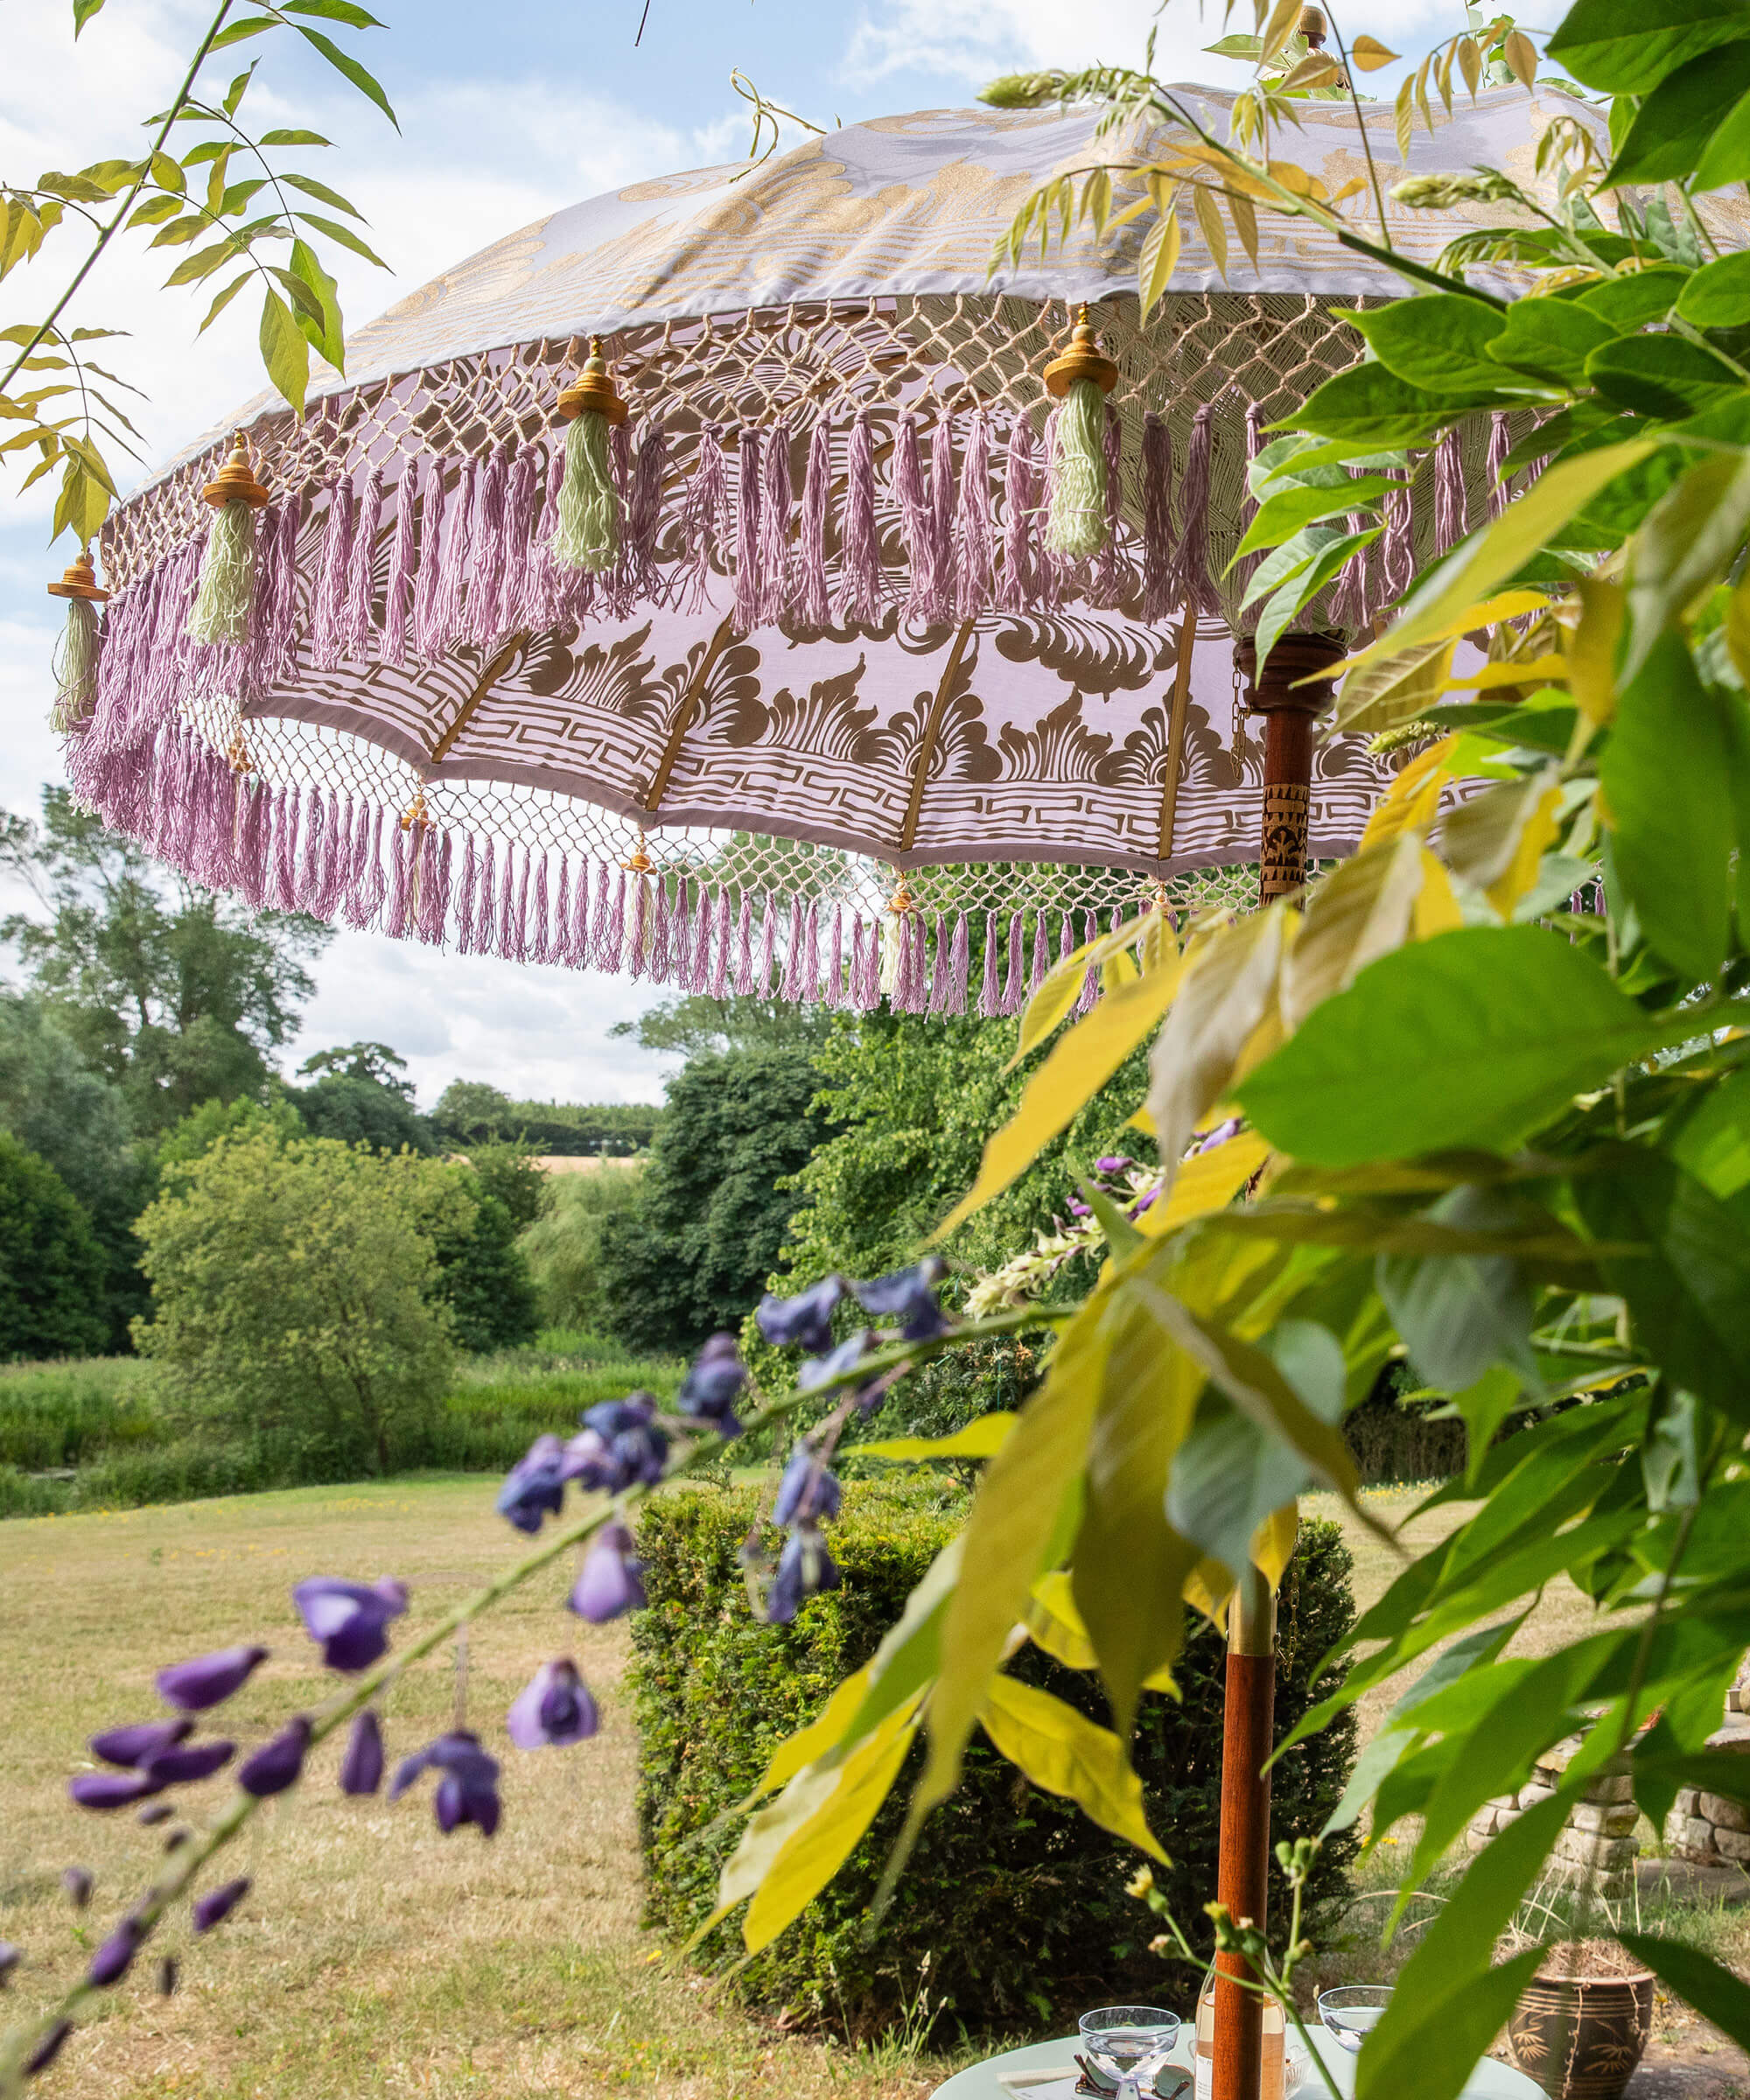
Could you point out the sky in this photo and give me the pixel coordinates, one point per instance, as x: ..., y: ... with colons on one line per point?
x: 507, y: 111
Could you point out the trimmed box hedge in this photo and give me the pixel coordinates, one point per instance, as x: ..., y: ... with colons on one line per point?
x: 1012, y: 1908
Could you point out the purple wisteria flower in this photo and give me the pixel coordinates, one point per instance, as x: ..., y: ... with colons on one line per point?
x: 115, y: 1957
x: 610, y: 1580
x: 182, y: 1766
x: 817, y: 1371
x: 78, y: 1883
x: 908, y: 1295
x: 804, y: 1568
x: 1145, y: 1201
x: 808, y: 1490
x: 350, y: 1619
x: 1078, y: 1209
x: 805, y: 1320
x: 109, y: 1789
x: 10, y: 1955
x: 209, y: 1680
x: 1113, y: 1163
x: 217, y: 1904
x: 619, y: 1445
x: 534, y: 1487
x: 1219, y: 1134
x: 361, y: 1768
x: 47, y: 2049
x: 139, y: 1742
x: 467, y: 1784
x: 275, y: 1765
x: 553, y: 1708
x: 713, y: 1381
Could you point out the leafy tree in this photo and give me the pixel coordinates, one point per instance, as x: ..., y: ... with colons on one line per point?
x: 174, y: 995
x: 693, y: 1025
x: 484, y: 1277
x: 295, y: 1298
x: 52, y: 1271
x: 471, y: 1113
x: 54, y: 1103
x: 468, y: 1111
x: 564, y: 1246
x: 359, y: 1110
x: 716, y: 1201
x: 195, y: 1134
x: 375, y: 1062
x: 509, y: 1175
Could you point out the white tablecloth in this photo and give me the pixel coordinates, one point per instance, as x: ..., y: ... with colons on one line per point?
x: 1489, y: 2081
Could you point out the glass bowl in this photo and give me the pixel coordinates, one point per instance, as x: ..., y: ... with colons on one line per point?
x: 1128, y: 2041
x: 1353, y: 2011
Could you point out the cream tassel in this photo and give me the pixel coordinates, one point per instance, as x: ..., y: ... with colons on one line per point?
x: 586, y: 534
x: 76, y: 659
x: 225, y: 597
x: 1075, y: 474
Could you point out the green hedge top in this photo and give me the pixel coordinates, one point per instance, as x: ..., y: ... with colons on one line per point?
x: 1011, y: 1909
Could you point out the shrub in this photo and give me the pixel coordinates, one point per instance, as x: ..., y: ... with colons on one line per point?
x: 563, y: 1247
x: 1017, y: 1900
x: 293, y: 1286
x: 52, y: 1271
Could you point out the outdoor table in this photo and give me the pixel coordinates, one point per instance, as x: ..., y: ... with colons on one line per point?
x: 1489, y: 2081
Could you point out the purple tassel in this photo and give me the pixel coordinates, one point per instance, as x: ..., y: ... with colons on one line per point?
x: 1114, y: 578
x: 744, y: 947
x: 355, y: 636
x: 543, y: 582
x: 868, y: 992
x: 811, y: 611
x: 328, y: 609
x: 428, y: 578
x: 491, y: 551
x: 449, y: 617
x: 911, y: 495
x: 336, y: 857
x: 1398, y: 543
x: 1041, y: 955
x: 900, y: 998
x: 282, y: 897
x: 681, y: 936
x: 639, y: 944
x: 397, y: 927
x: 1500, y: 444
x: 749, y: 587
x: 976, y: 529
x: 719, y: 977
x: 1157, y: 521
x: 484, y: 926
x: 504, y: 933
x: 309, y: 857
x: 434, y: 885
x: 941, y: 562
x: 253, y: 842
x: 659, y: 939
x: 959, y: 961
x: 1013, y: 991
x: 859, y: 603
x: 540, y: 948
x: 834, y: 978
x: 1066, y: 938
x: 920, y: 969
x: 1349, y: 598
x: 699, y: 981
x: 562, y: 948
x: 604, y: 937
x: 1449, y: 493
x: 1244, y: 570
x: 790, y: 985
x: 519, y: 928
x: 465, y: 906
x: 811, y: 956
x: 1020, y: 586
x: 938, y: 991
x: 1193, y: 589
x: 774, y: 529
x: 704, y: 520
x: 369, y: 886
x: 516, y: 538
x: 610, y: 953
x: 403, y: 555
x: 990, y: 993
x: 1090, y: 983
x: 644, y: 510
x: 768, y: 941
x: 579, y: 954
x: 853, y: 990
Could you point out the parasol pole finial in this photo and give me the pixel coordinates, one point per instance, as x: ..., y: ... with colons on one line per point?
x: 1314, y: 28
x: 224, y: 600
x: 586, y: 534
x: 1081, y: 377
x: 76, y: 663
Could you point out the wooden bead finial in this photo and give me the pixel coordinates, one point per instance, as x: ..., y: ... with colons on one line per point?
x: 593, y: 389
x: 80, y: 581
x: 638, y: 862
x: 1314, y: 27
x: 1083, y: 360
x: 237, y: 481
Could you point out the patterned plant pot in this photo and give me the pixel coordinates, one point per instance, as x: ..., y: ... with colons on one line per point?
x: 1581, y: 2037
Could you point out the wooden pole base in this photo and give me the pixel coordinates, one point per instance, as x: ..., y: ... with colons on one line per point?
x: 1289, y: 707
x: 1242, y: 1871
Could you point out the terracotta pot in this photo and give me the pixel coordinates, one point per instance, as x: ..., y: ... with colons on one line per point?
x: 1581, y: 2037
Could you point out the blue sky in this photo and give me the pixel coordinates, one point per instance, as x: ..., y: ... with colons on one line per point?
x: 508, y: 109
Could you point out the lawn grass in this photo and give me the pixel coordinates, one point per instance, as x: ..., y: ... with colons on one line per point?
x: 375, y: 1957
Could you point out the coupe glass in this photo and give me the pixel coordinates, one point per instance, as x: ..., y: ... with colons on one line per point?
x: 1353, y: 2011
x: 1128, y: 2041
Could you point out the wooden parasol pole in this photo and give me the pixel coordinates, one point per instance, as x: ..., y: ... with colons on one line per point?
x: 1288, y: 708
x: 1242, y: 1875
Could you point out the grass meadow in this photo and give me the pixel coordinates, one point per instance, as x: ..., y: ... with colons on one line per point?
x: 375, y: 1957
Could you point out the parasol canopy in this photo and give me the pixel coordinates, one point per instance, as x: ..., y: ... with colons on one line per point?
x: 833, y: 642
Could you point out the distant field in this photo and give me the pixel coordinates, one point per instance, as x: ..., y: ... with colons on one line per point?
x: 86, y: 1435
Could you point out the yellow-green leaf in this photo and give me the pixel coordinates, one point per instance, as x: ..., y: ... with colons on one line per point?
x: 1395, y: 689
x: 1362, y: 910
x: 284, y: 352
x: 818, y: 1846
x: 1061, y: 986
x: 1494, y: 841
x: 1521, y: 56
x: 1210, y: 225
x: 1413, y: 799
x: 1284, y: 19
x: 1273, y: 1543
x: 1055, y: 1624
x: 1370, y: 54
x: 982, y: 1438
x: 1065, y: 1753
x: 1592, y: 648
x: 822, y: 1735
x: 1080, y: 1064
x: 1158, y: 260
x: 1210, y: 1181
x: 1228, y: 983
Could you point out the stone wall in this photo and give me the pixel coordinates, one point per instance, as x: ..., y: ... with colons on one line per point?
x: 1705, y: 1827
x: 1596, y: 1844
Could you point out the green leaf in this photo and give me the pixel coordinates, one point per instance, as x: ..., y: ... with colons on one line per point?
x: 321, y: 193
x: 82, y: 12
x: 1673, y: 125
x: 1717, y: 296
x: 1459, y: 1314
x: 155, y: 211
x: 1370, y: 402
x: 1661, y: 375
x: 294, y: 138
x: 344, y: 234
x: 1287, y: 601
x: 1685, y: 546
x: 1727, y: 156
x: 1361, y: 911
x: 1689, y: 1294
x: 1635, y: 301
x: 202, y: 263
x: 1549, y: 337
x: 1287, y: 561
x: 1284, y: 514
x: 1618, y: 46
x: 1440, y: 342
x: 348, y: 66
x: 981, y: 1439
x: 1713, y: 1145
x: 334, y: 10
x: 1493, y: 1029
x: 284, y: 352
x: 1128, y: 1567
x: 1228, y: 984
x: 1699, y: 1980
x: 243, y: 28
x: 225, y: 299
x: 1664, y: 777
x: 324, y: 329
x: 1065, y: 1753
